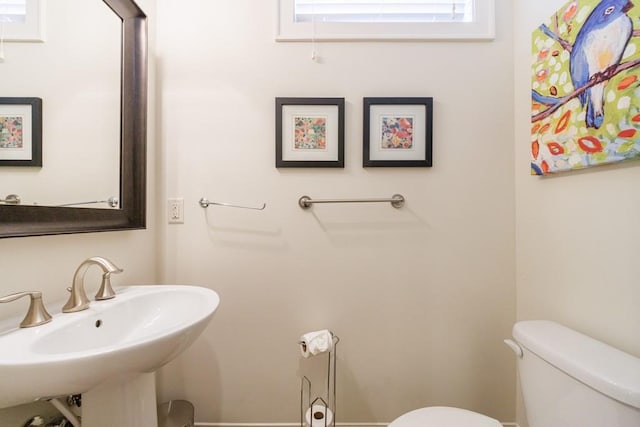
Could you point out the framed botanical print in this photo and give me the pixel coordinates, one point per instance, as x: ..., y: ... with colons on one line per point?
x: 397, y: 132
x: 310, y: 132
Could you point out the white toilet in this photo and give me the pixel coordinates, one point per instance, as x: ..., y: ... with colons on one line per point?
x: 442, y: 416
x: 568, y: 379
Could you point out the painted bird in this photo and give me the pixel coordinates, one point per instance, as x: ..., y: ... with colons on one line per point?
x: 596, y: 52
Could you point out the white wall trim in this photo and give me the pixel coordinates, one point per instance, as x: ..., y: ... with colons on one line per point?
x: 205, y: 424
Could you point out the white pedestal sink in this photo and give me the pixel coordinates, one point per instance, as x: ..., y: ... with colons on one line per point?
x: 107, y: 352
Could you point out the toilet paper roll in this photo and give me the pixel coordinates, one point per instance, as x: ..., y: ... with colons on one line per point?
x: 316, y: 342
x: 318, y: 416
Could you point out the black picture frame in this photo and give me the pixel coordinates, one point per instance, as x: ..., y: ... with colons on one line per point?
x: 29, y: 113
x: 289, y: 153
x: 413, y: 145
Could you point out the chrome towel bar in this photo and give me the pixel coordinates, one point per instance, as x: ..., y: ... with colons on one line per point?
x: 111, y: 201
x: 204, y: 203
x: 397, y: 201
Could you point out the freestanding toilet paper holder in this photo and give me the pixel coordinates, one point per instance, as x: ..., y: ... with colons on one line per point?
x: 318, y: 412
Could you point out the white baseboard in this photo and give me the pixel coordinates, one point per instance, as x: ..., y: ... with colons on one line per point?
x: 204, y: 424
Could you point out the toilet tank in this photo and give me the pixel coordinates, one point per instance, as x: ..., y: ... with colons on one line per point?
x: 571, y: 380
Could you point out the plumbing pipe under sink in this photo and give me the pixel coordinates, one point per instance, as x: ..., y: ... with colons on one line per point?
x: 65, y: 411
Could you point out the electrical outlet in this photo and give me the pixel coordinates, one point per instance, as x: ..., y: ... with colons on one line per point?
x: 176, y: 211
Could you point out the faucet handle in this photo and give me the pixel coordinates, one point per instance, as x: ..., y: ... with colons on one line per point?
x: 37, y: 313
x: 106, y: 291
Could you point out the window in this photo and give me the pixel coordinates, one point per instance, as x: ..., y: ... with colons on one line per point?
x: 385, y: 19
x: 21, y: 20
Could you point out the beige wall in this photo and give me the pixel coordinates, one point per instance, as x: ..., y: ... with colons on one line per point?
x: 577, y: 245
x: 421, y: 297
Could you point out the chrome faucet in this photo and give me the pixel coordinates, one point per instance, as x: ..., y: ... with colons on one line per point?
x: 37, y: 314
x: 78, y: 300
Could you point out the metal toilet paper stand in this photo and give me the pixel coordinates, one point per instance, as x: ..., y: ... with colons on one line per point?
x: 324, y: 404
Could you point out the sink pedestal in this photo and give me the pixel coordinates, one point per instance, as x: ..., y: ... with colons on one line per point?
x: 123, y: 401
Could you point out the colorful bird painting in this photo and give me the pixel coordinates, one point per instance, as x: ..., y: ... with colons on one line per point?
x: 585, y: 86
x: 597, y: 50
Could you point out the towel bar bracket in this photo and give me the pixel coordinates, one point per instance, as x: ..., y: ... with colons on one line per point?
x: 11, y: 199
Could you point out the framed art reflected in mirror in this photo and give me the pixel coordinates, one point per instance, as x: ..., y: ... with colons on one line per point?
x: 20, y: 132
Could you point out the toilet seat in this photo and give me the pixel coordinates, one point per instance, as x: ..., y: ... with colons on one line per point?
x: 442, y: 416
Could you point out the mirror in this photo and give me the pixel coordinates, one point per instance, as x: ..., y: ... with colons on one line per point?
x: 80, y: 93
x: 23, y: 220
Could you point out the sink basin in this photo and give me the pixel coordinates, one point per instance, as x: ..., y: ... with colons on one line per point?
x: 137, y: 332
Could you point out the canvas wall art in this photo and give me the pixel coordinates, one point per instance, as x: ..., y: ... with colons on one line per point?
x: 586, y: 86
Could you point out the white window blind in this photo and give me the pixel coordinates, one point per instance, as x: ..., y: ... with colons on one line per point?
x: 384, y: 11
x: 14, y: 11
x: 305, y: 20
x: 22, y: 20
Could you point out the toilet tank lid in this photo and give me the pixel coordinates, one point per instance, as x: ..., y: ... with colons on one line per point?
x: 600, y: 366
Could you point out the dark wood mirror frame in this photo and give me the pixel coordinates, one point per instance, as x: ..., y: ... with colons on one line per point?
x: 19, y: 221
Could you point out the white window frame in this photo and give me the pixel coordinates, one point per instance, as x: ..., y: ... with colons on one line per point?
x: 30, y: 31
x: 482, y: 27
